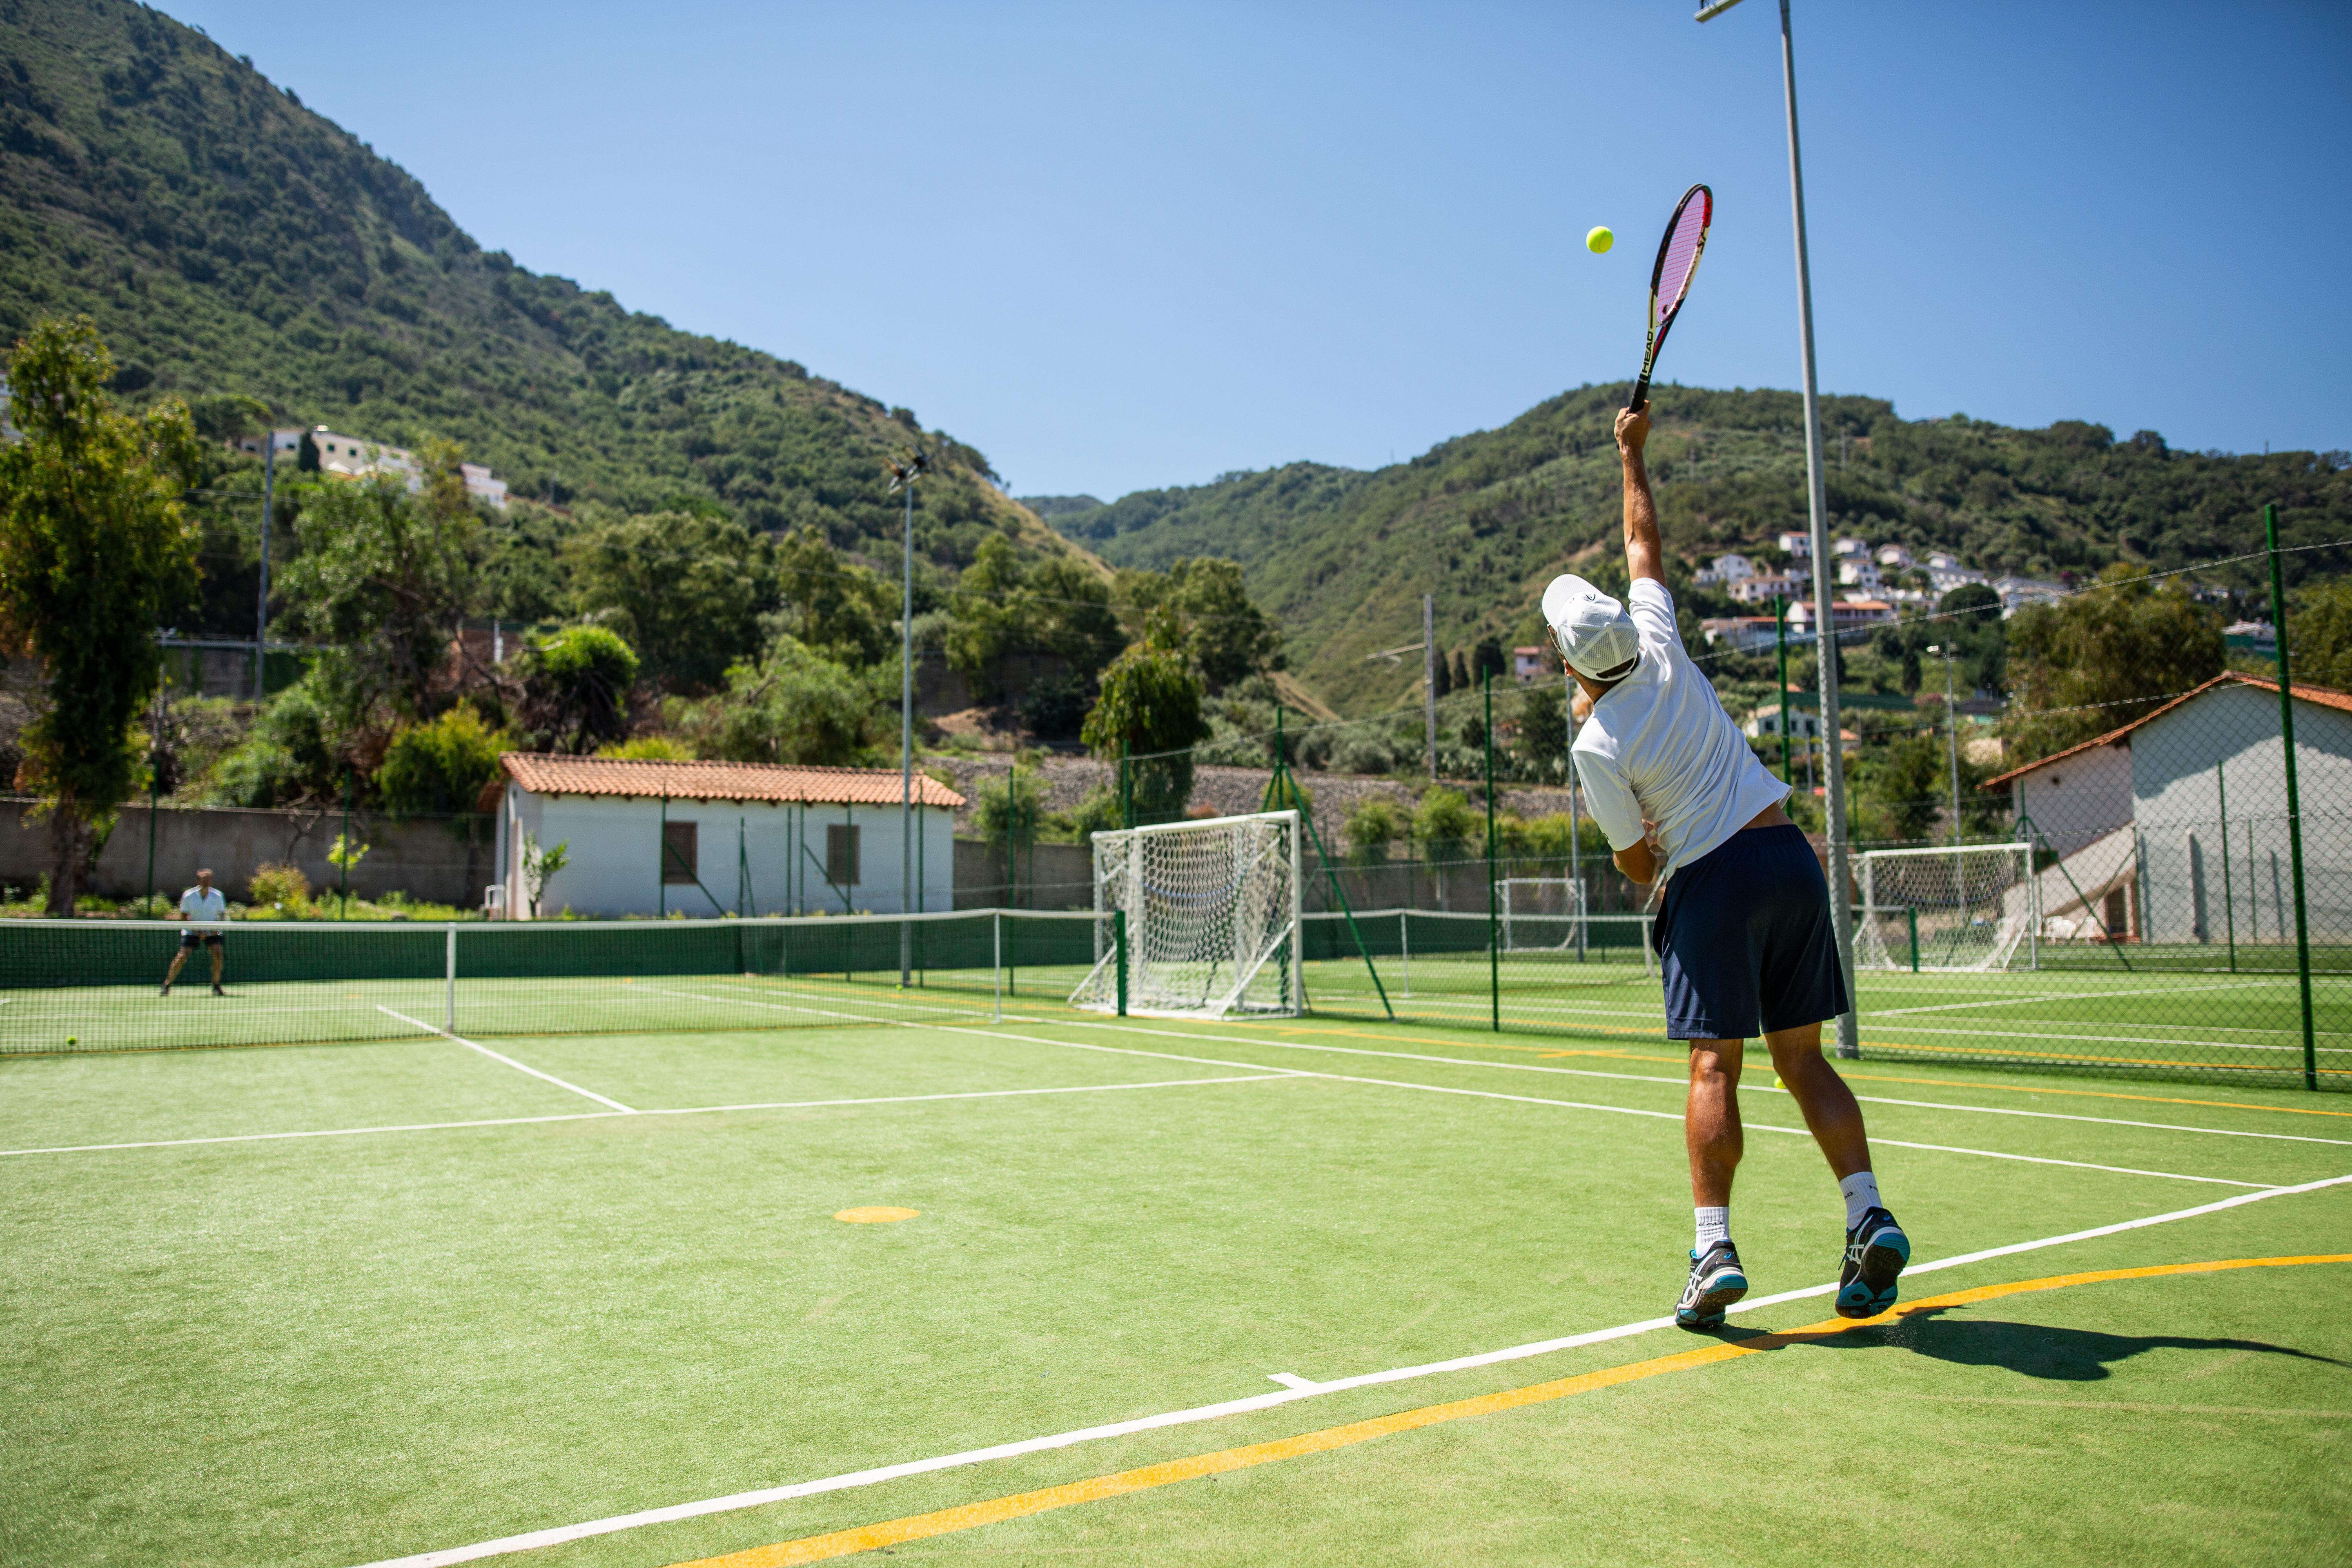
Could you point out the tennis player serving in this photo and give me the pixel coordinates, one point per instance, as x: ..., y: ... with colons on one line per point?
x: 1743, y: 928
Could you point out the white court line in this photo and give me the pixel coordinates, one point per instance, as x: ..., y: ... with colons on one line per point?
x: 549, y: 1077
x: 2075, y: 996
x: 1295, y: 1388
x: 1650, y: 1078
x: 1270, y: 1076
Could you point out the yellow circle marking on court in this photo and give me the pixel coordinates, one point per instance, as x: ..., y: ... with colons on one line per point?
x: 877, y: 1216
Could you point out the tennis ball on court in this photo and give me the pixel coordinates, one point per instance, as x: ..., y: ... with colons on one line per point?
x: 1776, y: 1080
x: 1600, y: 239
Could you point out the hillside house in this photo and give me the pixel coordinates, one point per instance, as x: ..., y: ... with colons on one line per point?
x: 703, y: 840
x: 1726, y: 569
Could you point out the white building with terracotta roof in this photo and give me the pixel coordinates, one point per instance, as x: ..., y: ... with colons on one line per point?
x: 704, y: 839
x: 2173, y: 828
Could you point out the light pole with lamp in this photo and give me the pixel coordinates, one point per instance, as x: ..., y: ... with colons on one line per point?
x: 1849, y: 1042
x: 905, y: 470
x: 1952, y: 728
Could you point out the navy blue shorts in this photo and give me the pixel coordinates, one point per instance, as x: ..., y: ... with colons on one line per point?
x: 1744, y: 937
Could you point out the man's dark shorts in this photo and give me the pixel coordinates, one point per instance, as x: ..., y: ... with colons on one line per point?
x: 1745, y: 939
x: 191, y: 938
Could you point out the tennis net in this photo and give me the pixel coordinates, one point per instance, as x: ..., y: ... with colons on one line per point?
x: 96, y: 985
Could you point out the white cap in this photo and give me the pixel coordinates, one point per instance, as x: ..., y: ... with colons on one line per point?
x: 1594, y: 633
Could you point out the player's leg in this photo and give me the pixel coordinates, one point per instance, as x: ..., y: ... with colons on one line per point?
x: 1712, y: 1134
x: 178, y: 958
x: 213, y: 947
x: 1803, y: 985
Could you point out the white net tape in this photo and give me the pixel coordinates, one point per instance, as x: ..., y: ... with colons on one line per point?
x: 1212, y: 918
x: 1975, y: 907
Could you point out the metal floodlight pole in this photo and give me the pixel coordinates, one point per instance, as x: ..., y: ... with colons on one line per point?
x: 261, y: 603
x: 1952, y: 728
x: 1849, y: 1043
x: 903, y: 475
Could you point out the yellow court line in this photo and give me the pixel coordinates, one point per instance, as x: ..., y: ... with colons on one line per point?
x: 1844, y: 1072
x: 971, y: 1516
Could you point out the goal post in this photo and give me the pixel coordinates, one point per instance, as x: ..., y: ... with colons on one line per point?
x: 1542, y: 914
x: 1952, y: 909
x: 1211, y: 916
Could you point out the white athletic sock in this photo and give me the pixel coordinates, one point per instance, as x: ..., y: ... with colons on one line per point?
x: 1861, y: 1191
x: 1714, y: 1226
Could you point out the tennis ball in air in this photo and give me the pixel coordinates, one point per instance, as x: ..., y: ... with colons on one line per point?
x: 1776, y: 1080
x: 73, y: 1039
x: 1600, y: 239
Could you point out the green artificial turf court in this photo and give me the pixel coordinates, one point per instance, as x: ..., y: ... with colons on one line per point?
x: 340, y: 1304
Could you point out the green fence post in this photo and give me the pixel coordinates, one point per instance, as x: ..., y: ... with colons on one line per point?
x: 1494, y: 933
x: 2294, y: 805
x: 154, y: 795
x: 1913, y: 912
x: 1119, y: 941
x: 343, y: 871
x: 2229, y: 909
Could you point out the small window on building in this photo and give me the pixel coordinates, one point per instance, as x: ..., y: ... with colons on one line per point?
x: 841, y: 854
x: 678, y: 851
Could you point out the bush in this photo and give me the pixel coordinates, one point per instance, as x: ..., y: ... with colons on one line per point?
x: 280, y: 882
x: 1055, y: 706
x: 443, y: 766
x: 795, y: 706
x: 293, y: 754
x: 1372, y: 827
x: 651, y: 749
x: 1366, y: 752
x: 576, y: 688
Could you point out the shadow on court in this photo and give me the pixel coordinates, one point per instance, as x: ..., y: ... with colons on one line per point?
x: 2031, y: 1350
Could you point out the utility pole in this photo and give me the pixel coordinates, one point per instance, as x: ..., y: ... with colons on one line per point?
x: 261, y: 605
x: 1849, y: 1040
x: 904, y: 471
x: 1952, y: 727
x: 1429, y: 681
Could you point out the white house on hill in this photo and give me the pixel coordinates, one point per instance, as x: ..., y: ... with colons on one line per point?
x: 703, y: 840
x: 2148, y: 851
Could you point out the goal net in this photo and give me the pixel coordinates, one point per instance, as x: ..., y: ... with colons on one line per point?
x: 1973, y: 907
x: 1209, y: 913
x: 1542, y: 914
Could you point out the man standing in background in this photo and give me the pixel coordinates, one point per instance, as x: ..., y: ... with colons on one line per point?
x: 202, y: 910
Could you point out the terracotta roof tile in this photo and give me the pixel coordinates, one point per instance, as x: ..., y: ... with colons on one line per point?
x: 544, y: 774
x: 2325, y: 696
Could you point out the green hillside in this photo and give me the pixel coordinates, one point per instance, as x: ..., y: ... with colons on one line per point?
x: 232, y: 244
x: 1484, y: 522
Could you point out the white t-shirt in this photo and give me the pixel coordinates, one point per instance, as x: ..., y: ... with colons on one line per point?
x: 204, y: 904
x: 1660, y: 746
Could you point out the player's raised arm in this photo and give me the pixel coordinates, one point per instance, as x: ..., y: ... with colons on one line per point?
x: 1646, y: 556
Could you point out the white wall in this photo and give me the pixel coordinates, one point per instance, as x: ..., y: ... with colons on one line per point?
x: 613, y: 855
x: 2080, y: 800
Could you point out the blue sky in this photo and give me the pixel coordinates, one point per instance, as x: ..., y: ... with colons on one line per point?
x: 1125, y: 246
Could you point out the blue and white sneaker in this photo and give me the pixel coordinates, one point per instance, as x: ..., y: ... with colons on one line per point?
x: 1876, y: 1253
x: 1716, y: 1280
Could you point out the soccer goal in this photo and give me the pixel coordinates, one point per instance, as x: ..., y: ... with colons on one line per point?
x: 1197, y: 920
x: 1542, y: 914
x: 1969, y: 907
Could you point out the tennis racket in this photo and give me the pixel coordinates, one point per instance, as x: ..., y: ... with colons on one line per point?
x: 1670, y: 279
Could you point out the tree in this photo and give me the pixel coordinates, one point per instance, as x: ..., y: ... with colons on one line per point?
x: 1006, y: 812
x: 1150, y: 712
x: 537, y: 865
x: 443, y: 766
x: 1200, y: 607
x: 1002, y: 607
x: 793, y: 706
x: 2319, y: 636
x: 380, y: 579
x: 1461, y: 681
x: 94, y: 553
x: 1487, y: 658
x: 2104, y: 658
x: 1442, y: 675
x: 1444, y: 823
x: 847, y: 612
x: 575, y: 687
x: 295, y: 752
x: 685, y: 588
x: 1543, y: 727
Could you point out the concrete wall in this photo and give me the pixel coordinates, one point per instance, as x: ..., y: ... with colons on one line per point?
x: 446, y: 860
x: 2079, y: 801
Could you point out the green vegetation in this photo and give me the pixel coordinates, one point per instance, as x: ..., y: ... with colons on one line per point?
x: 443, y: 766
x: 1148, y: 719
x: 93, y: 550
x: 2098, y: 660
x: 1341, y: 558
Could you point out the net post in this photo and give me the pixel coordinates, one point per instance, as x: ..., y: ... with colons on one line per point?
x: 2293, y: 800
x: 1118, y: 943
x: 449, y: 977
x: 1298, y: 926
x: 1493, y: 948
x: 1912, y: 912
